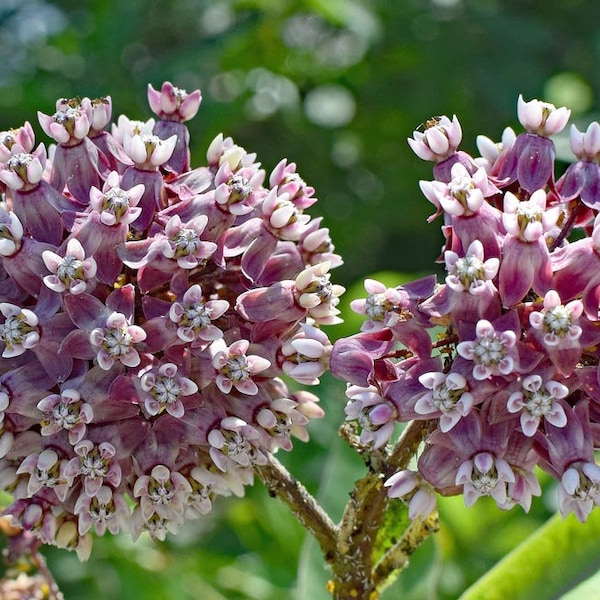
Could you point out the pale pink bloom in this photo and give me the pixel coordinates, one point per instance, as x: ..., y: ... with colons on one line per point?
x: 287, y: 181
x: 236, y: 368
x: 382, y: 307
x: 235, y: 441
x: 155, y: 525
x: 19, y: 332
x: 529, y: 219
x: 115, y: 342
x: 280, y: 420
x: 206, y: 485
x: 65, y: 411
x: 376, y: 416
x: 126, y: 127
x: 184, y: 243
x: 194, y: 316
x: 463, y: 195
x: 283, y: 217
x: 101, y: 112
x: 585, y: 145
x: 490, y: 150
x: 73, y: 272
x: 148, y: 151
x: 106, y: 510
x: 556, y: 321
x: 174, y: 103
x: 492, y: 352
x: 223, y: 150
x: 239, y: 192
x: 306, y: 355
x: 485, y: 475
x: 448, y: 398
x: 23, y: 136
x: 315, y: 245
x: 95, y: 464
x: 29, y: 515
x: 526, y: 260
x: 70, y: 123
x: 538, y: 400
x: 318, y: 295
x: 438, y: 141
x: 522, y: 490
x: 395, y: 308
x: 579, y: 490
x: 307, y: 404
x: 45, y: 469
x: 423, y: 499
x: 582, y: 177
x: 542, y: 118
x: 470, y: 273
x: 114, y: 204
x: 164, y: 492
x: 11, y: 232
x: 164, y: 388
x: 24, y: 171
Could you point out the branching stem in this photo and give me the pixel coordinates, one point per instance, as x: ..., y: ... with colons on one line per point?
x: 350, y: 546
x: 282, y: 485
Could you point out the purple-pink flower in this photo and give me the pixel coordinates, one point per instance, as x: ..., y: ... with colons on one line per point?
x: 115, y: 342
x: 537, y: 400
x: 438, y: 141
x: 144, y: 362
x: 501, y: 359
x: 174, y: 103
x: 235, y: 367
x: 164, y: 386
x: 492, y: 352
x: 194, y: 316
x: 72, y: 272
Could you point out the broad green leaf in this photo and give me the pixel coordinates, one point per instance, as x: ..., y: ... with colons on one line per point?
x: 551, y: 561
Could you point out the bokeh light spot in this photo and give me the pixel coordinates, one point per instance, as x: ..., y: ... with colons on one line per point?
x: 569, y: 89
x: 330, y: 106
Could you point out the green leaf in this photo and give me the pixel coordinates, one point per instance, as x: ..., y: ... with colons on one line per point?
x: 395, y: 522
x: 551, y: 561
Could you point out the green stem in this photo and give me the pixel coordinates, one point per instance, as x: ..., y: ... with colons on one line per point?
x: 42, y: 567
x: 354, y: 574
x: 396, y: 558
x: 282, y: 485
x: 350, y: 546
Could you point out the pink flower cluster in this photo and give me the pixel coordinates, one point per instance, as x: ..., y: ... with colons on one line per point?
x: 150, y: 313
x: 502, y: 358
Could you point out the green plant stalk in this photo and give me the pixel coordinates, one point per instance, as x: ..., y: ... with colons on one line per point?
x: 547, y: 564
x: 360, y: 569
x: 396, y: 558
x: 282, y: 485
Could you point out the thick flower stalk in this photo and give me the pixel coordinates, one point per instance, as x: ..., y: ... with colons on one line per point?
x: 141, y: 374
x: 510, y: 382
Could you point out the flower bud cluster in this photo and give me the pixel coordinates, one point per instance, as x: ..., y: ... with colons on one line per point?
x: 503, y: 357
x: 150, y: 315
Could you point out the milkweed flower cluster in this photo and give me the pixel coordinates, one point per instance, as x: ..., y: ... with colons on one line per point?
x: 502, y: 358
x: 150, y: 313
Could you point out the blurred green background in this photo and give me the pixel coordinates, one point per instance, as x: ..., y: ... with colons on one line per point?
x: 336, y: 86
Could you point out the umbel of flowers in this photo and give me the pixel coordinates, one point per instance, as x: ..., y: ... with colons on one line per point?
x: 148, y: 313
x: 502, y: 358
